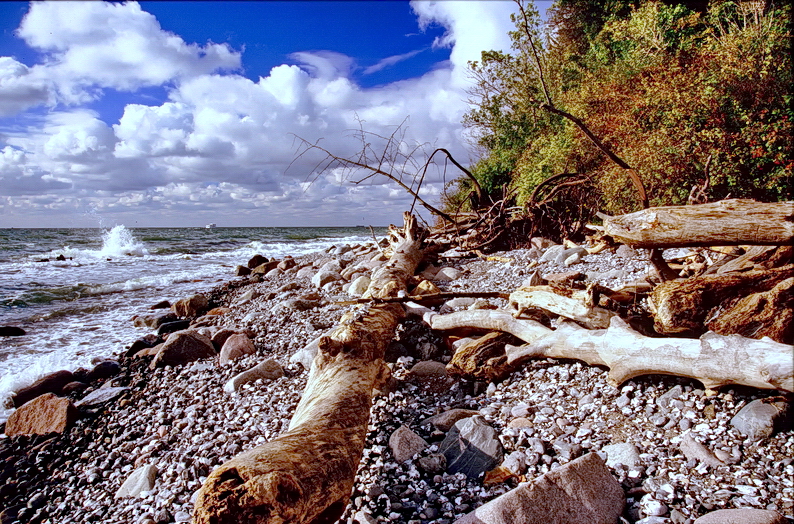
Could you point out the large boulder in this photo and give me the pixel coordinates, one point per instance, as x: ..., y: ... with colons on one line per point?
x: 358, y: 286
x: 190, y: 307
x: 257, y: 260
x: 183, y: 347
x: 44, y: 414
x: 325, y: 276
x: 52, y: 383
x: 471, y: 447
x: 580, y: 492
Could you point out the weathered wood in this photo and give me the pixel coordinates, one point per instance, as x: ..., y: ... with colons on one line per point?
x: 577, y: 306
x: 306, y: 474
x: 689, y: 306
x: 483, y: 358
x: 727, y: 222
x: 715, y: 360
x: 765, y: 314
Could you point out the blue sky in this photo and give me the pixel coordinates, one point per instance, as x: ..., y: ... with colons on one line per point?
x: 183, y: 113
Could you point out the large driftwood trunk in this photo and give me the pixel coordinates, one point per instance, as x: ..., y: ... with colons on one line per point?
x: 724, y: 223
x: 750, y: 303
x: 715, y: 360
x: 306, y: 474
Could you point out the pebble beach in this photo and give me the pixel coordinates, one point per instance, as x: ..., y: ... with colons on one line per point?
x: 677, y: 449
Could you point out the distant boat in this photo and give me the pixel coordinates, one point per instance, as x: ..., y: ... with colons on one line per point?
x: 210, y: 226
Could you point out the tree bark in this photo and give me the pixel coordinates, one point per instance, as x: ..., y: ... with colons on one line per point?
x: 690, y: 306
x: 715, y: 360
x: 306, y: 475
x: 728, y: 222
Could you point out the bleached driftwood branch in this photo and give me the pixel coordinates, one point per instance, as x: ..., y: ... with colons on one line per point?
x: 306, y: 474
x: 715, y: 360
x: 575, y: 307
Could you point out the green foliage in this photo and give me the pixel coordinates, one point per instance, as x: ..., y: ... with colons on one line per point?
x: 664, y: 87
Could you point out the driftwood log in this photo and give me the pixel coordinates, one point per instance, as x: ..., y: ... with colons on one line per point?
x: 306, y: 474
x: 723, y: 223
x: 750, y: 303
x: 578, y: 305
x: 715, y: 360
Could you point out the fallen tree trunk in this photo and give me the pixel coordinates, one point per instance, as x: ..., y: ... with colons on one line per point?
x: 690, y: 306
x: 578, y: 306
x: 728, y: 222
x: 306, y: 474
x: 715, y: 360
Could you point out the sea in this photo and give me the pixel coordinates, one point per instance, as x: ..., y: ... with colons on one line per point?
x: 75, y: 291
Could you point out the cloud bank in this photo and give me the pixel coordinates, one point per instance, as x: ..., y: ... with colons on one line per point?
x: 222, y: 147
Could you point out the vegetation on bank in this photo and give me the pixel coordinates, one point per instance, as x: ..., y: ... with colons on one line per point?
x: 680, y: 92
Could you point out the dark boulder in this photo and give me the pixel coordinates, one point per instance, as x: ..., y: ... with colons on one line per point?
x: 52, y: 383
x: 105, y: 369
x: 170, y: 327
x: 257, y: 260
x: 11, y: 331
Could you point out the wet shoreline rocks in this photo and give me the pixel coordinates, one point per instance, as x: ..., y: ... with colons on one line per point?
x: 677, y: 452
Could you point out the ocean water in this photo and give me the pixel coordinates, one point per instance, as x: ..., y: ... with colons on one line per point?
x: 80, y: 308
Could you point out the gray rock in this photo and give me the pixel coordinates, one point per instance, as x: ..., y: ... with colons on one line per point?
x: 100, y: 395
x: 624, y: 251
x: 576, y: 258
x: 551, y: 253
x: 694, y: 450
x: 742, y: 516
x: 761, y: 418
x: 404, y: 444
x: 266, y: 370
x: 323, y: 277
x: 142, y: 479
x: 582, y: 491
x: 664, y: 401
x: 447, y: 274
x: 444, y: 421
x: 183, y: 347
x: 471, y: 447
x: 247, y: 297
x: 622, y: 453
x: 300, y: 304
x: 433, y: 464
x: 361, y: 517
x: 516, y: 462
x: 565, y: 254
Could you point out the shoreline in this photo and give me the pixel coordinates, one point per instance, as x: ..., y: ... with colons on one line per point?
x: 180, y: 420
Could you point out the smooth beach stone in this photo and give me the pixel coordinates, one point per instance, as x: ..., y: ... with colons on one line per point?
x: 447, y: 274
x: 742, y: 516
x: 171, y: 327
x: 694, y: 450
x: 551, y: 253
x: 324, y: 276
x: 100, y: 396
x: 242, y: 271
x: 51, y: 383
x: 760, y: 418
x: 359, y: 286
x: 266, y: 370
x: 444, y: 421
x: 45, y: 414
x: 183, y: 347
x: 190, y: 307
x: 622, y: 453
x: 404, y: 444
x: 163, y: 304
x: 287, y: 264
x: 257, y: 260
x: 105, y: 369
x: 142, y: 479
x: 154, y: 320
x: 582, y: 491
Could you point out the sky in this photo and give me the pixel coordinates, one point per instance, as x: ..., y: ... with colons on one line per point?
x: 178, y: 114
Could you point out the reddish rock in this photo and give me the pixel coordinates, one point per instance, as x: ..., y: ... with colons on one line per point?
x: 582, y: 491
x: 742, y: 516
x: 190, y: 307
x: 287, y: 263
x: 217, y: 311
x: 52, y: 383
x: 183, y: 347
x: 235, y: 347
x: 444, y: 421
x: 45, y: 414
